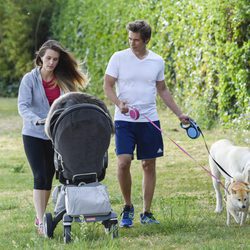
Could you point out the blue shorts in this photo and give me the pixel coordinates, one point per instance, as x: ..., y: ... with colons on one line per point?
x: 142, y: 135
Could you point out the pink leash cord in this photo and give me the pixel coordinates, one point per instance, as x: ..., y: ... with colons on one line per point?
x: 182, y: 149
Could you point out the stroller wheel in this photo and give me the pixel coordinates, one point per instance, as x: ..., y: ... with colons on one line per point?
x: 48, y: 225
x: 114, y: 231
x: 67, y: 234
x: 111, y: 228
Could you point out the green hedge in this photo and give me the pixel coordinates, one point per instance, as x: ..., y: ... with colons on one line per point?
x: 205, y: 45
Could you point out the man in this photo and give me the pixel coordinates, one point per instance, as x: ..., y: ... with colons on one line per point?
x: 138, y: 74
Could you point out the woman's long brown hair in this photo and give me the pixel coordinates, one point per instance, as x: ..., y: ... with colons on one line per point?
x: 68, y: 76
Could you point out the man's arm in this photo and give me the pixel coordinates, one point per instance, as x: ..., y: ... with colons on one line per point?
x: 169, y: 101
x: 108, y: 86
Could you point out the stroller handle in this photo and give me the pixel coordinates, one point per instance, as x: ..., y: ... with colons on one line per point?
x: 41, y: 122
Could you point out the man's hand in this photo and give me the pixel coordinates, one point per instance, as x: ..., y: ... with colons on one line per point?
x: 184, y: 119
x: 123, y: 107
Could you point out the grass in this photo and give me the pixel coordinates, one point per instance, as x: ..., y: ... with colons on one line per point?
x: 184, y: 199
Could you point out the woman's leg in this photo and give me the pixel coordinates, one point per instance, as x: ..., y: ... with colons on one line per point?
x: 40, y: 203
x: 40, y: 156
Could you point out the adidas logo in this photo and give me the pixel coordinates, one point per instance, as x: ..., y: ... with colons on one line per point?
x: 159, y: 151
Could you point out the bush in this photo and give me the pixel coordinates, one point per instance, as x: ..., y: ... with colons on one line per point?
x: 205, y: 45
x: 24, y: 27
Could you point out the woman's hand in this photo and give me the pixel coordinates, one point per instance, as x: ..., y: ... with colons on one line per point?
x: 41, y: 121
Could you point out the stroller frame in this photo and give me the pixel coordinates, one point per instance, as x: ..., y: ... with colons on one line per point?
x: 109, y: 221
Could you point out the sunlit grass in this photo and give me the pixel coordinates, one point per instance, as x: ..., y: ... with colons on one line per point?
x: 184, y: 199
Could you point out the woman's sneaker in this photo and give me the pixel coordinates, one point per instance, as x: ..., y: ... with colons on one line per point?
x: 127, y: 216
x: 148, y: 218
x: 40, y: 229
x: 36, y: 223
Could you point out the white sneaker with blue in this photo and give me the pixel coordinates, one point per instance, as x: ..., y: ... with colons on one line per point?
x: 148, y: 218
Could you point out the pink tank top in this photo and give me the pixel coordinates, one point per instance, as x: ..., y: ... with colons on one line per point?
x: 52, y: 92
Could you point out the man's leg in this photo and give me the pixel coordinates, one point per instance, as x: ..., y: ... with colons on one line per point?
x: 124, y: 177
x: 148, y: 188
x: 148, y: 184
x: 125, y: 181
x: 125, y: 145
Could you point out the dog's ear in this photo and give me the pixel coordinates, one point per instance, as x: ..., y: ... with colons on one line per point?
x: 247, y: 188
x: 234, y: 190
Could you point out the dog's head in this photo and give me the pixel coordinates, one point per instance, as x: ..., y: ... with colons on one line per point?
x: 239, y: 194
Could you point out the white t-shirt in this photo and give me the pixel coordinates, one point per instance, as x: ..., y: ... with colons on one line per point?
x: 136, y: 82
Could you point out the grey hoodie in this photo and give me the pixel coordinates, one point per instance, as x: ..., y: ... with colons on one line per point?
x: 33, y: 104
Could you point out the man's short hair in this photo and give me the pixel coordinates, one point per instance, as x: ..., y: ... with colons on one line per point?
x: 142, y: 27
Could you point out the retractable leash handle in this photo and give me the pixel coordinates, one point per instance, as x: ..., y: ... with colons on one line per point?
x: 192, y: 129
x: 133, y: 113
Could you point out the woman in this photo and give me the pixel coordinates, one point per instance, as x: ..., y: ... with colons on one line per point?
x: 56, y: 72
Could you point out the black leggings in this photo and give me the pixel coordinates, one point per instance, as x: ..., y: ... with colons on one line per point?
x: 40, y: 155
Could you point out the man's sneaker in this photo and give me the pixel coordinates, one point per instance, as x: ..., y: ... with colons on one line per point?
x: 127, y: 216
x: 148, y: 218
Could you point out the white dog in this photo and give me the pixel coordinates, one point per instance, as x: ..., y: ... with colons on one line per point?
x: 235, y: 161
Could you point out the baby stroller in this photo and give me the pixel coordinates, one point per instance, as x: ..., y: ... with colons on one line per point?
x: 80, y: 128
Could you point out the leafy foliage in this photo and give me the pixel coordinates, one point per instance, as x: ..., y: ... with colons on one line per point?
x: 205, y: 45
x: 24, y: 27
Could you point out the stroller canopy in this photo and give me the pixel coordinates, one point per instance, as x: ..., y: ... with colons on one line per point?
x: 81, y: 135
